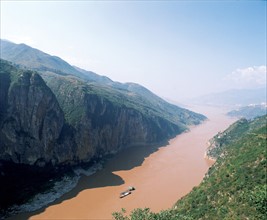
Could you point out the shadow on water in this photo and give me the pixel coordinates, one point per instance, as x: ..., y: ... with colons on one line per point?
x: 126, y: 159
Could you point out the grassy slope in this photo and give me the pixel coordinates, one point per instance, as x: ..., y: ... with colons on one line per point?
x: 234, y: 188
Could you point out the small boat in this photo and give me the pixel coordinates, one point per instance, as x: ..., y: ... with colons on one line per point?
x: 126, y: 193
x: 131, y: 188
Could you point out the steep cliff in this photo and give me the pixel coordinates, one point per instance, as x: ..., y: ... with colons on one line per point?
x: 105, y: 120
x: 74, y: 115
x: 60, y: 116
x: 31, y: 119
x: 35, y: 129
x: 136, y: 96
x: 41, y: 134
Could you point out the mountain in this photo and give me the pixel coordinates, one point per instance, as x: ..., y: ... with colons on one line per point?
x: 54, y: 116
x: 249, y: 112
x: 31, y: 119
x: 52, y: 68
x: 36, y: 133
x: 27, y: 56
x: 234, y: 187
x: 233, y: 98
x: 76, y: 124
x: 95, y: 77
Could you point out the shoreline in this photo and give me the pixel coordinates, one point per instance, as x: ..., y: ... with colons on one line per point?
x: 93, y: 198
x: 213, y: 160
x: 68, y: 183
x: 210, y: 146
x: 60, y: 188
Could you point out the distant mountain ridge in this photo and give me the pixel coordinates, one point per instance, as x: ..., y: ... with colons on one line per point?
x: 250, y: 111
x: 233, y: 98
x: 24, y: 55
x: 32, y: 58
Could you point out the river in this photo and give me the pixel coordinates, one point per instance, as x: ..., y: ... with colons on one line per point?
x: 161, y: 176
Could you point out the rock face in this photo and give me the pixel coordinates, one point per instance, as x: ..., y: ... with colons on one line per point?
x: 34, y: 130
x: 106, y: 128
x: 31, y: 121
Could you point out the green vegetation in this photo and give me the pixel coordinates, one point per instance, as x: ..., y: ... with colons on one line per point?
x: 222, y: 139
x: 147, y: 214
x: 72, y: 93
x: 231, y: 135
x: 235, y: 186
x: 8, y: 71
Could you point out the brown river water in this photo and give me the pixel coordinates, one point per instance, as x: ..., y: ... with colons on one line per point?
x: 161, y: 176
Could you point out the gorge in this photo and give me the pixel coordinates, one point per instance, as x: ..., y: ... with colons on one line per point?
x: 54, y: 116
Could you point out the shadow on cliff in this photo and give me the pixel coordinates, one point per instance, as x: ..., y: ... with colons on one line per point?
x: 126, y: 159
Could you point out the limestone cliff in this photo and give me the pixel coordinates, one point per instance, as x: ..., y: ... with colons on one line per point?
x: 33, y: 129
x: 106, y: 128
x: 31, y: 119
x: 67, y: 115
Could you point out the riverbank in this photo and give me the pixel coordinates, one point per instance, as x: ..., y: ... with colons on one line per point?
x: 206, y: 156
x: 161, y: 176
x: 58, y: 186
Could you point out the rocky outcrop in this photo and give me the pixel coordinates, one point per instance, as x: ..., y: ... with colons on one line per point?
x: 31, y: 119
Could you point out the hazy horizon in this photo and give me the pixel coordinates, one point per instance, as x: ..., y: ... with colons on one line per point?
x: 176, y: 49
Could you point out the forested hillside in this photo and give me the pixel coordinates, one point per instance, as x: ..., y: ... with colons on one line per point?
x: 234, y: 187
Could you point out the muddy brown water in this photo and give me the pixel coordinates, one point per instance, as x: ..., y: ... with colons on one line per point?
x: 161, y: 176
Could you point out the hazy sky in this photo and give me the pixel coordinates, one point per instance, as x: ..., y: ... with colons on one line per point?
x: 177, y: 49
